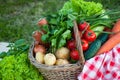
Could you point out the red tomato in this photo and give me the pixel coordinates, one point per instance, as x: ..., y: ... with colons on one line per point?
x: 83, y: 25
x: 71, y: 44
x: 89, y: 35
x: 74, y: 54
x: 84, y: 44
x: 42, y: 22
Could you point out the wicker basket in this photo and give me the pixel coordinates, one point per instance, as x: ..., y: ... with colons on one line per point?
x: 62, y: 72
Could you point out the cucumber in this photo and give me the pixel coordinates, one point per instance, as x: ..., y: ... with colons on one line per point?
x: 103, y: 37
x: 93, y: 48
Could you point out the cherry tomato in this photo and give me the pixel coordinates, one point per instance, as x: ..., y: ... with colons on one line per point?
x: 84, y: 44
x: 83, y: 25
x: 71, y: 44
x: 89, y: 35
x: 74, y: 54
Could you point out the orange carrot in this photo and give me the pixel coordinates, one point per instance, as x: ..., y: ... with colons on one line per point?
x: 116, y: 28
x: 109, y: 44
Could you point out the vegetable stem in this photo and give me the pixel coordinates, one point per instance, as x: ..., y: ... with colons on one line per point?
x: 104, y: 32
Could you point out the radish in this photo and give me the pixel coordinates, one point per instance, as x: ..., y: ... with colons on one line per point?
x: 39, y: 48
x: 42, y: 22
x: 37, y: 37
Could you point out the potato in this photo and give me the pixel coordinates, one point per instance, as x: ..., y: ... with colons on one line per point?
x: 62, y: 62
x: 62, y: 53
x: 40, y: 57
x: 50, y: 59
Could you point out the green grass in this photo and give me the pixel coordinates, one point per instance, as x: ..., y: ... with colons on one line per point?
x: 109, y: 4
x: 18, y: 18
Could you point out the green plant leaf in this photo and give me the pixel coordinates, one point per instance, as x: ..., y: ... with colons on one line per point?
x: 20, y: 42
x: 53, y: 21
x: 45, y: 37
x: 70, y: 24
x: 62, y: 42
x: 45, y: 28
x: 66, y: 34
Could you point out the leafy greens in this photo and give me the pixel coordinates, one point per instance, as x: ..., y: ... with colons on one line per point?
x: 61, y: 24
x: 82, y: 8
x: 62, y: 21
x: 18, y: 68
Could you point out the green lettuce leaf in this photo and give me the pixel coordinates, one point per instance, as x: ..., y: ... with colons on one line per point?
x: 18, y: 68
x: 83, y: 8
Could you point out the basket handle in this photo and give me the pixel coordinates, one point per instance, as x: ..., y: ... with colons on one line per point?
x: 78, y: 42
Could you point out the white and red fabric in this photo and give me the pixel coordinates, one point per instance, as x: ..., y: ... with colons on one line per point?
x: 103, y: 67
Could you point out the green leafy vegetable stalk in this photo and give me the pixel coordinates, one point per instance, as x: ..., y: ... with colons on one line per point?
x: 16, y: 48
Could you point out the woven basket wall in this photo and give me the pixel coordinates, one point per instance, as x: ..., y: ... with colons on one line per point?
x: 62, y: 72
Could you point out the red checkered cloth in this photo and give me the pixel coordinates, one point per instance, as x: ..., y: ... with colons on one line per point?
x: 102, y: 67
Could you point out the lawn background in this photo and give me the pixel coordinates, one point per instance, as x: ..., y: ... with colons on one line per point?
x: 18, y: 18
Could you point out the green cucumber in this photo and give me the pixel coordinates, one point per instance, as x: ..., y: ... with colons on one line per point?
x: 103, y: 37
x: 93, y: 48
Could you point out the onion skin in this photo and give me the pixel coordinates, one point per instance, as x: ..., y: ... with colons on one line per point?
x: 63, y: 53
x: 62, y: 62
x: 40, y: 57
x: 39, y: 48
x: 50, y: 59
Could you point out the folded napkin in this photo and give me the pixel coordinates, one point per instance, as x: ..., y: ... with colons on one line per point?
x: 102, y: 67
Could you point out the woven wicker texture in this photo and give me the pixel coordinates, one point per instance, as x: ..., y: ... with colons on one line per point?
x: 62, y: 72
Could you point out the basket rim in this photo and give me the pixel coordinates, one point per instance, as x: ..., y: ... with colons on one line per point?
x: 54, y: 67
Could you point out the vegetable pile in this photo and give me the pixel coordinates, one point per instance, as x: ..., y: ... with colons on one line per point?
x: 15, y: 64
x: 55, y: 40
